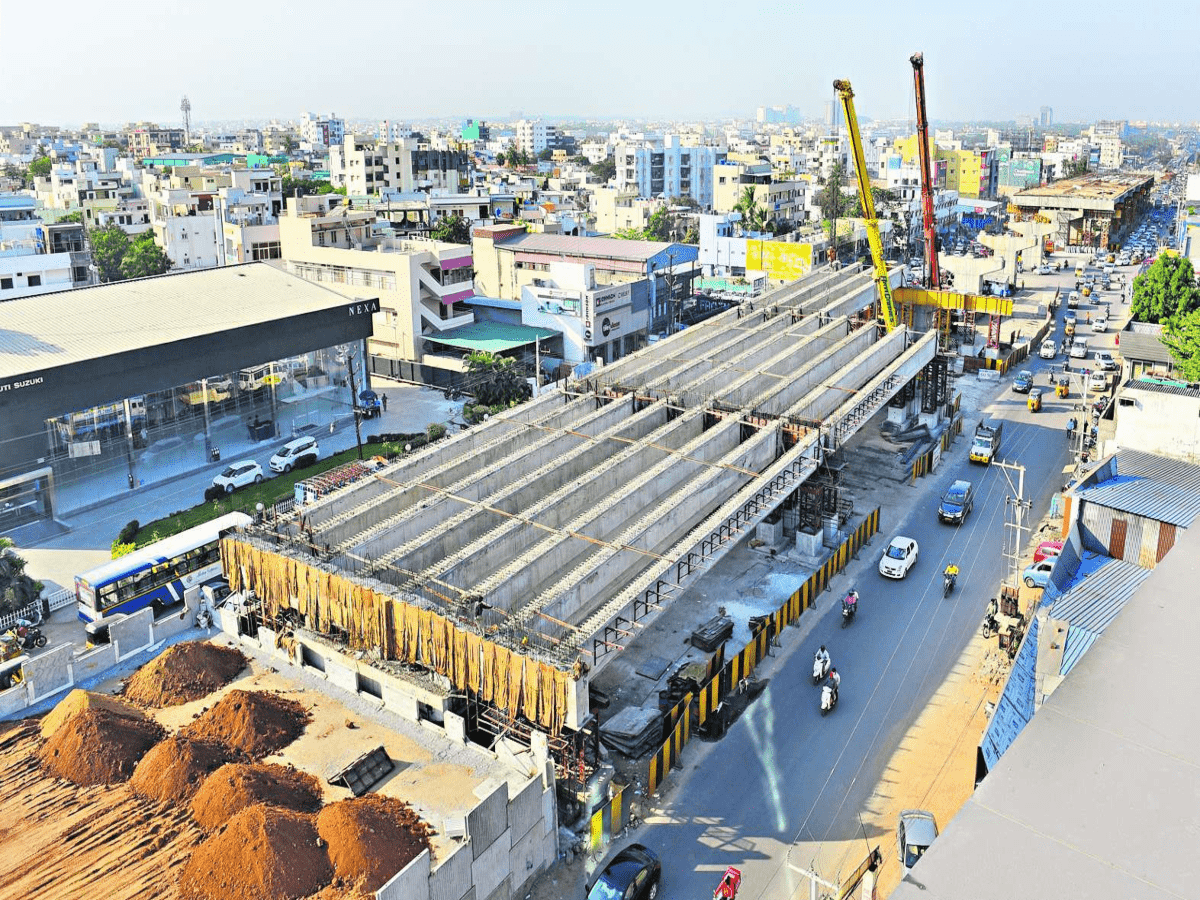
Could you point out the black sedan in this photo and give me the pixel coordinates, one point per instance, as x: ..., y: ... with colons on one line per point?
x: 1023, y: 382
x: 633, y: 874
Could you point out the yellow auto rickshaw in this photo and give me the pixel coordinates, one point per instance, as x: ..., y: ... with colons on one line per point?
x: 1069, y: 328
x: 1062, y: 389
x: 1035, y: 400
x: 1087, y: 290
x: 1112, y: 258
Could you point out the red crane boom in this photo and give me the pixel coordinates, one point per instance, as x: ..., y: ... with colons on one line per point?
x: 932, y: 269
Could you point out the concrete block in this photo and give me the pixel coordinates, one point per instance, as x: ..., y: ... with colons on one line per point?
x: 410, y: 883
x: 456, y: 727
x: 524, y: 860
x: 49, y: 672
x: 14, y: 701
x: 809, y: 544
x: 226, y: 620
x: 452, y: 879
x: 93, y: 662
x: 169, y: 626
x: 525, y: 809
x: 133, y: 633
x: 339, y: 669
x: 549, y: 811
x: 577, y: 705
x: 770, y: 533
x: 540, y: 747
x: 488, y: 821
x: 489, y: 870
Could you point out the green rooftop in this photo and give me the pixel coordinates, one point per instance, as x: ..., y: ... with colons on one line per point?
x: 494, y: 337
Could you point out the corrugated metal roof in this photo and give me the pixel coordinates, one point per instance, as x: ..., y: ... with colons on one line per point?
x: 1077, y: 643
x: 1161, y: 468
x: 1143, y: 347
x: 1093, y: 600
x: 1147, y: 497
x: 1155, y: 388
x: 613, y: 248
x: 66, y: 327
x: 495, y: 337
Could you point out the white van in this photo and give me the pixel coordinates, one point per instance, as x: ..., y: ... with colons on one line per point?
x: 299, y: 452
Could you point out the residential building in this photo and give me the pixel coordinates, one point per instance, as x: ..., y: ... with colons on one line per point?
x: 620, y: 209
x: 535, y: 136
x: 150, y: 140
x: 1112, y: 152
x: 324, y: 130
x: 365, y: 166
x: 473, y: 131
x: 131, y: 214
x: 1046, y: 117
x: 596, y: 150
x: 422, y: 285
x: 667, y: 169
x: 38, y: 257
x: 783, y: 201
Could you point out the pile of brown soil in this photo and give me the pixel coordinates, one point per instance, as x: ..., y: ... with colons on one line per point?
x: 252, y: 722
x: 235, y: 786
x: 79, y: 700
x: 183, y: 673
x: 264, y: 853
x: 371, y: 838
x: 174, y: 769
x: 98, y: 746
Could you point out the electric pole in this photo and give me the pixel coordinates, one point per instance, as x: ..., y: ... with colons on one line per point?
x: 1016, y: 506
x: 354, y: 405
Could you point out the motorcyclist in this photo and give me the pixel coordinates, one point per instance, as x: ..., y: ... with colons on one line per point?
x: 852, y: 600
x: 835, y: 681
x: 822, y: 657
x: 951, y: 571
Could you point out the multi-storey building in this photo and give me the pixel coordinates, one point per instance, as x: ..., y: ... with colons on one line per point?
x: 783, y: 200
x: 365, y: 166
x: 535, y: 136
x: 667, y: 169
x: 37, y: 257
x: 324, y: 130
x: 151, y: 140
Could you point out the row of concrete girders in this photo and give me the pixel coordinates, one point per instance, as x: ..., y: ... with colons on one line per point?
x: 790, y: 470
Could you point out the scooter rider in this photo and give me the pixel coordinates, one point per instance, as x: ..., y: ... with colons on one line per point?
x: 852, y: 601
x: 834, y: 681
x: 822, y: 658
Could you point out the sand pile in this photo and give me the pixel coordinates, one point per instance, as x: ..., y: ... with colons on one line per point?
x: 95, y: 740
x: 174, y: 769
x: 253, y: 722
x: 233, y: 787
x: 371, y: 838
x: 264, y: 853
x: 184, y: 672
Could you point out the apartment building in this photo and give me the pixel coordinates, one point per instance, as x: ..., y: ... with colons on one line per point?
x: 533, y: 137
x: 667, y: 169
x: 366, y: 166
x: 783, y: 200
x: 422, y: 285
x: 38, y: 257
x: 151, y: 140
x: 324, y: 130
x: 619, y: 209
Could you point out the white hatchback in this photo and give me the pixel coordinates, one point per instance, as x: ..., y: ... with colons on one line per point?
x: 238, y: 474
x: 1049, y: 349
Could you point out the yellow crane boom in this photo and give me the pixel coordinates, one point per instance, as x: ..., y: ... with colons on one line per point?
x: 887, y: 308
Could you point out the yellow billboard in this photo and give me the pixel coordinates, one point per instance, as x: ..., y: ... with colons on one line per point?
x: 780, y: 261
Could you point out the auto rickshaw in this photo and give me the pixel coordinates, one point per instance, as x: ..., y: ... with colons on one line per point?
x: 1035, y: 400
x: 1062, y: 388
x: 1087, y: 290
x: 1069, y: 328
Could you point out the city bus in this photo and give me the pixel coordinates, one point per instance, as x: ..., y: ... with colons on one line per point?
x: 157, y: 575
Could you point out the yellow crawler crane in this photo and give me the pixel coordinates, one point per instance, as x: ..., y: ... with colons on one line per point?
x: 887, y: 308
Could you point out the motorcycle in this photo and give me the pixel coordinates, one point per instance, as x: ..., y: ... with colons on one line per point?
x: 849, y: 608
x: 828, y: 699
x: 948, y: 581
x: 820, y: 669
x: 990, y: 625
x: 28, y: 634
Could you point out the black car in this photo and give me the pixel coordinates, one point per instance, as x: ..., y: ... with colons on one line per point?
x: 1023, y: 382
x: 633, y: 874
x: 957, y: 502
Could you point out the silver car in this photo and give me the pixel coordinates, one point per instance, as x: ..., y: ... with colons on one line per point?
x: 915, y: 832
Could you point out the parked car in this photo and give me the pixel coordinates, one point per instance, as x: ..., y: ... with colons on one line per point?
x: 299, y: 452
x: 1047, y: 550
x: 1049, y: 349
x: 633, y: 874
x: 900, y: 556
x: 1037, y: 575
x: 957, y: 502
x: 915, y: 832
x: 238, y: 474
x: 1100, y: 324
x: 1023, y: 382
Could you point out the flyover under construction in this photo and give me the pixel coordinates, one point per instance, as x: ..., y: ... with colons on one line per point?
x: 518, y: 557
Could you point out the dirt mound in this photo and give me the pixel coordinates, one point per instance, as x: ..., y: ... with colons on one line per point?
x: 174, y: 769
x: 252, y: 722
x: 371, y: 838
x: 79, y: 700
x: 235, y: 786
x: 183, y: 673
x: 98, y: 746
x: 264, y: 853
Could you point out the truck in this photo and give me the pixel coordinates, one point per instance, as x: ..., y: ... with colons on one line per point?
x: 987, y: 441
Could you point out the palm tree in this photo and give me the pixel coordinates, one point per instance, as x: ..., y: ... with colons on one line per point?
x: 753, y: 215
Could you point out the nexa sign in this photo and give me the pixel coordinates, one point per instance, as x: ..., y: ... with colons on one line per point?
x: 363, y: 308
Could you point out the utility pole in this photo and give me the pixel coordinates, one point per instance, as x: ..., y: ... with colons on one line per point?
x: 813, y: 880
x: 1018, y: 505
x: 354, y: 405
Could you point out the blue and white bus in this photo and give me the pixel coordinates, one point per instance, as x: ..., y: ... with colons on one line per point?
x: 157, y: 575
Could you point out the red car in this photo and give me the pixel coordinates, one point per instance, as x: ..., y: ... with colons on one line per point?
x: 1046, y: 549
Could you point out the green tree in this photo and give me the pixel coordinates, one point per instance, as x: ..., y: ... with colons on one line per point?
x: 1181, y: 335
x: 500, y: 158
x: 661, y: 226
x: 290, y: 144
x: 452, y: 229
x: 754, y: 216
x: 1165, y: 291
x: 40, y: 167
x: 546, y: 155
x: 76, y: 216
x: 605, y: 170
x: 496, y: 380
x: 17, y: 590
x: 109, y: 246
x: 834, y: 203
x: 144, y: 258
x: 1073, y: 168
x: 692, y: 235
x: 630, y: 234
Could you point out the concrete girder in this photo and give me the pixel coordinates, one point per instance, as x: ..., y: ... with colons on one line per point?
x: 823, y: 398
x: 841, y: 351
x: 641, y: 543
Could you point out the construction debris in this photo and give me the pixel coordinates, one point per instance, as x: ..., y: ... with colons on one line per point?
x: 183, y: 673
x: 634, y: 731
x: 709, y: 636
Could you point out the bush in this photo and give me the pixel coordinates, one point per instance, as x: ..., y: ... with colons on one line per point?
x: 119, y: 549
x: 213, y: 492
x: 127, y: 534
x: 436, y: 431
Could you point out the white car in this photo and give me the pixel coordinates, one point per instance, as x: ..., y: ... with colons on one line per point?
x: 1079, y: 349
x: 1043, y: 270
x: 1097, y: 381
x: 1100, y: 324
x: 900, y: 556
x: 1104, y: 360
x: 1049, y: 349
x: 238, y: 474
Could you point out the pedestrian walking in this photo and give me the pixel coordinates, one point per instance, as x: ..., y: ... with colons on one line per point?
x: 383, y: 401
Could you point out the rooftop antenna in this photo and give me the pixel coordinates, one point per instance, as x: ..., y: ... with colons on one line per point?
x: 185, y: 107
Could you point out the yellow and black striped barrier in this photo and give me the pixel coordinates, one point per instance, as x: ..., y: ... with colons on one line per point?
x: 725, y: 679
x: 609, y: 821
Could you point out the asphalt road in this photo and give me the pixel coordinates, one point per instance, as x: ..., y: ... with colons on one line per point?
x: 783, y: 775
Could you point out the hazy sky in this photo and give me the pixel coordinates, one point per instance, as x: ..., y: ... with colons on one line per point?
x: 72, y: 61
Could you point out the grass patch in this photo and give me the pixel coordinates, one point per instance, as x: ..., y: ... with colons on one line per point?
x: 246, y: 499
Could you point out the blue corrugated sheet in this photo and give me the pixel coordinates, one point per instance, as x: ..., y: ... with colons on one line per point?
x: 1077, y: 643
x: 1148, y: 497
x: 1098, y: 593
x: 1015, y: 707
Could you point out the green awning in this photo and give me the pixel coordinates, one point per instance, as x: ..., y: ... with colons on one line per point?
x: 494, y: 337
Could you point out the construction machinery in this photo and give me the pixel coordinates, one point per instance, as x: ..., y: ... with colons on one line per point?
x: 933, y: 275
x: 887, y: 308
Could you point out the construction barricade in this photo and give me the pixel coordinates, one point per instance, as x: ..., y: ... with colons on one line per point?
x: 608, y: 821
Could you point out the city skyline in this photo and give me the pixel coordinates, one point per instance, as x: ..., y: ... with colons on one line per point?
x: 662, y: 64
